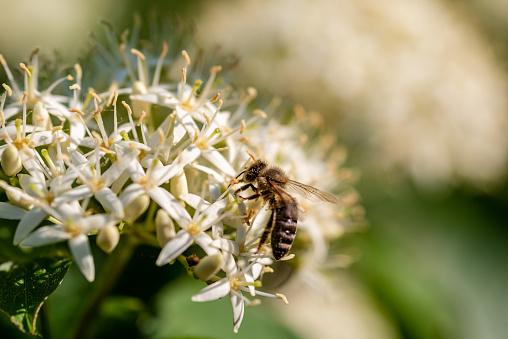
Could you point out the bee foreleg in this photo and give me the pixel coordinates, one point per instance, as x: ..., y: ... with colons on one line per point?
x: 244, y: 187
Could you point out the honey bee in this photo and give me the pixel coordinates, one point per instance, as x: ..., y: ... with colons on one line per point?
x: 272, y: 185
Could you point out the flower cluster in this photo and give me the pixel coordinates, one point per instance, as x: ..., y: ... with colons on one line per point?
x: 157, y: 161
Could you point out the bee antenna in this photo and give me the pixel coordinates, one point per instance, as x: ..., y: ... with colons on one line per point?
x: 251, y: 155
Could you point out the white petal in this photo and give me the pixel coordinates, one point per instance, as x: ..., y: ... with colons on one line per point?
x: 163, y: 174
x: 63, y: 183
x: 213, y: 213
x: 80, y: 249
x: 238, y: 309
x: 205, y: 242
x: 76, y: 157
x: 130, y: 193
x: 229, y: 264
x: 220, y: 162
x: 43, y: 138
x: 30, y: 221
x: 194, y: 200
x: 115, y: 170
x: 77, y: 132
x: 11, y: 212
x: 186, y: 119
x: 77, y: 193
x: 46, y: 235
x: 215, y: 291
x: 219, y: 178
x: 214, y: 190
x: 93, y: 222
x: 170, y: 204
x: 136, y: 171
x: 174, y: 248
x: 30, y: 163
x: 110, y: 202
x: 32, y: 185
x: 226, y: 245
x: 68, y: 210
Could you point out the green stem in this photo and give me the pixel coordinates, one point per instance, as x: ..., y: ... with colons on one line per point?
x: 107, y: 281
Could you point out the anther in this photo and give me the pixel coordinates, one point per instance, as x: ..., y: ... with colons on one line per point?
x: 207, y: 118
x: 73, y: 110
x: 260, y: 113
x: 8, y: 89
x: 138, y: 53
x: 186, y: 56
x: 116, y: 97
x: 127, y: 107
x: 23, y: 67
x: 96, y: 97
x: 283, y: 297
x: 244, y: 127
x: 251, y: 155
x: 142, y: 116
x: 215, y: 98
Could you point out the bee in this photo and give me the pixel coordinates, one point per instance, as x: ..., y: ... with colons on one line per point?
x: 273, y: 186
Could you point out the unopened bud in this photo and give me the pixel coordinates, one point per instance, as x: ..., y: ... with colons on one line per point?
x: 11, y: 162
x: 16, y: 197
x: 136, y: 208
x: 108, y: 238
x: 178, y: 184
x: 40, y: 117
x: 209, y: 266
x: 139, y: 106
x: 165, y: 227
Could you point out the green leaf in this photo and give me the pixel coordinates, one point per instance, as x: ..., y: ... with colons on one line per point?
x: 24, y: 288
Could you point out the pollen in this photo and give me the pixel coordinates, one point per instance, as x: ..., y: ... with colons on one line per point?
x: 193, y: 228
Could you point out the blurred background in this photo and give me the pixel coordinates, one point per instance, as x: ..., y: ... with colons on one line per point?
x: 415, y: 90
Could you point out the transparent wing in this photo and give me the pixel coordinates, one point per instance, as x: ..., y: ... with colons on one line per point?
x: 285, y: 197
x: 311, y: 193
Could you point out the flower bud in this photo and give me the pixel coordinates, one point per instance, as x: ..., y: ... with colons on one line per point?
x: 40, y: 117
x: 178, y: 184
x: 136, y: 208
x: 139, y: 106
x: 209, y: 266
x: 165, y: 227
x: 16, y: 197
x: 11, y: 162
x: 108, y: 238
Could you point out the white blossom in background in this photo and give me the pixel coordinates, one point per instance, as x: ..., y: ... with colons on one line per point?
x: 157, y: 160
x: 414, y: 81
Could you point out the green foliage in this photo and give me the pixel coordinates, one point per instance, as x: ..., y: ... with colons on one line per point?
x: 25, y: 287
x: 27, y: 279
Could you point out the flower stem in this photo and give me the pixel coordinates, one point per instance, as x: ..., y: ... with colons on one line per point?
x: 106, y: 282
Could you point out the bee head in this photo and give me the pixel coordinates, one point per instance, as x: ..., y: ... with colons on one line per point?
x: 252, y: 172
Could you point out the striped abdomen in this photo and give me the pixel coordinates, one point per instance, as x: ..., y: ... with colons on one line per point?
x: 284, y: 228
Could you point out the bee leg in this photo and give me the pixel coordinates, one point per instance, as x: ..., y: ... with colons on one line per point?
x: 244, y: 187
x: 254, y: 196
x: 267, y: 231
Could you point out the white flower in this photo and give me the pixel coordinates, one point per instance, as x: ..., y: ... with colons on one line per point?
x: 193, y: 230
x: 73, y: 228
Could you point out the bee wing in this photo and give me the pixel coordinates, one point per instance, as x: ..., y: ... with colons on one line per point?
x: 311, y: 193
x: 285, y: 197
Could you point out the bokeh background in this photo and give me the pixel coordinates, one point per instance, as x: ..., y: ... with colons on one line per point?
x: 417, y: 93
